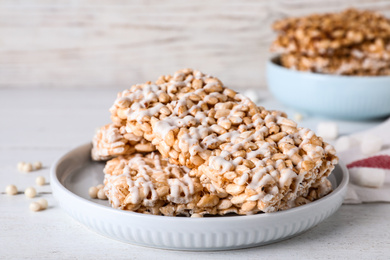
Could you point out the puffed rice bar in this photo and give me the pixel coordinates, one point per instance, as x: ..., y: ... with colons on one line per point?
x: 112, y: 140
x: 149, y: 184
x: 259, y: 157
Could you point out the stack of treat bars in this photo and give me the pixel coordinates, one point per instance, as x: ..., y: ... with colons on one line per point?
x: 352, y: 42
x: 186, y: 145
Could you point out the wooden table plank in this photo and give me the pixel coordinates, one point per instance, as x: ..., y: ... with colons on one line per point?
x: 118, y: 43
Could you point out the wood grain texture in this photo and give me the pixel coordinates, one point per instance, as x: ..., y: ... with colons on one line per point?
x: 106, y: 43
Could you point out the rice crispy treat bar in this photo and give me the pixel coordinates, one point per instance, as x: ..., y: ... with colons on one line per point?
x: 190, y: 101
x: 325, y: 33
x: 258, y: 157
x: 317, y: 190
x: 279, y: 172
x: 112, y: 140
x: 335, y: 64
x: 150, y: 184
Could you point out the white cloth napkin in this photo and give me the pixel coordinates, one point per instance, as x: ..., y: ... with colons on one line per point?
x: 360, y: 194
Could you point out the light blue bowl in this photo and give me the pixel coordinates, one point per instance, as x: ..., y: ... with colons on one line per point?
x: 343, y: 97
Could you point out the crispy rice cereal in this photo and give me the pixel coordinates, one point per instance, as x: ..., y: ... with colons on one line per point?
x: 336, y: 65
x: 112, y: 140
x: 150, y: 184
x: 320, y: 34
x: 352, y: 42
x: 258, y: 157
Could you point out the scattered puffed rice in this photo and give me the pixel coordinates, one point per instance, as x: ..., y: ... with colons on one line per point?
x: 371, y: 144
x: 327, y: 130
x: 27, y: 167
x: 20, y: 166
x: 196, y: 215
x: 11, y: 190
x: 40, y: 180
x: 37, y: 165
x: 30, y: 192
x: 101, y: 195
x: 93, y: 191
x: 35, y: 206
x: 43, y: 203
x: 298, y: 117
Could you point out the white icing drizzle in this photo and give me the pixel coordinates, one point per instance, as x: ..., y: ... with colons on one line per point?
x: 243, y: 179
x: 202, y: 133
x: 286, y: 175
x: 146, y: 112
x: 255, y: 183
x: 181, y: 187
x: 220, y: 164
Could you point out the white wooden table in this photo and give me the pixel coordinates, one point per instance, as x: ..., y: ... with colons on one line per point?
x: 43, y: 124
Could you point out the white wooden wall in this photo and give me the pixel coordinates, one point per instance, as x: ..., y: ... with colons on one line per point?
x: 89, y: 44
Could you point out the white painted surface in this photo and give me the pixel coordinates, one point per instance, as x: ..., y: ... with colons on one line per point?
x: 42, y: 124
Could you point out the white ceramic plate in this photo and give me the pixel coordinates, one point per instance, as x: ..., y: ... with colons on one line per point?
x: 75, y: 172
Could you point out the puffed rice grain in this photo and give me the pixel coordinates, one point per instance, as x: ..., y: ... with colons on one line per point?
x: 93, y: 191
x: 27, y: 167
x: 43, y: 203
x: 35, y: 206
x: 101, y: 195
x: 20, y: 166
x: 37, y: 165
x: 40, y: 180
x: 30, y: 192
x: 11, y: 190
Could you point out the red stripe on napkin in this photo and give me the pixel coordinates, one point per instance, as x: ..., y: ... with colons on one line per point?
x: 380, y: 161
